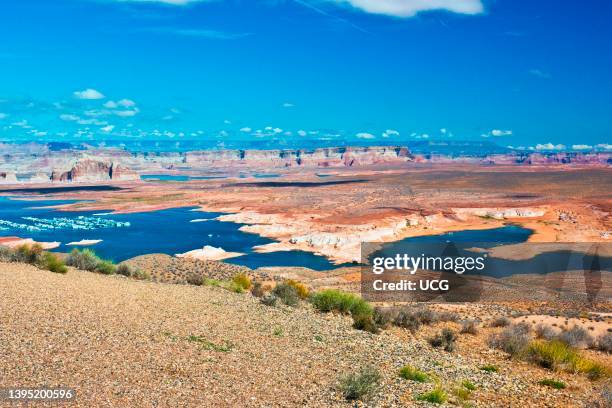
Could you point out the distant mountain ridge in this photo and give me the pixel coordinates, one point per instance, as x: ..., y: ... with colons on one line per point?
x: 37, y: 163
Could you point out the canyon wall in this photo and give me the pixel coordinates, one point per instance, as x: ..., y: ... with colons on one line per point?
x: 92, y: 171
x: 326, y: 157
x: 34, y: 163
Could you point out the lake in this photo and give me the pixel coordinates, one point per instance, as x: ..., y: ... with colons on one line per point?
x: 128, y: 235
x: 180, y: 230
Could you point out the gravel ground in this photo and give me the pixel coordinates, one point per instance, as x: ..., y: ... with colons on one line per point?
x: 123, y: 343
x: 169, y: 269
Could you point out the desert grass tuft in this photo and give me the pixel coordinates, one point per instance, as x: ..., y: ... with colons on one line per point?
x: 408, y: 372
x: 436, y: 396
x: 360, y: 385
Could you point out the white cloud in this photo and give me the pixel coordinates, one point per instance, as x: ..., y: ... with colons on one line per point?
x: 88, y: 94
x: 173, y: 2
x: 69, y: 117
x: 539, y: 73
x: 550, y: 146
x: 498, y: 133
x: 409, y: 8
x: 390, y: 132
x: 443, y: 131
x: 364, y: 135
x: 201, y: 33
x: 302, y: 133
x: 581, y: 147
x: 126, y: 103
x: 288, y: 105
x: 604, y: 146
x: 246, y: 130
x: 227, y: 122
x: 126, y: 113
x: 107, y: 129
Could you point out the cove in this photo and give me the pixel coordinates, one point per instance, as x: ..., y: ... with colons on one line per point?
x: 167, y: 231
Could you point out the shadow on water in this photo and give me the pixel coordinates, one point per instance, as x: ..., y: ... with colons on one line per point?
x: 51, y: 190
x: 296, y: 183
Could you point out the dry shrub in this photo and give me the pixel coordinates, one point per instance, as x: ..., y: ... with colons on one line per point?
x: 469, y: 327
x: 445, y: 339
x: 501, y: 321
x: 576, y: 337
x: 513, y: 339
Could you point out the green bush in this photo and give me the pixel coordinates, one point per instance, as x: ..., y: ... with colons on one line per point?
x: 366, y: 323
x: 436, y: 396
x: 347, y: 303
x: 27, y: 253
x: 242, y: 280
x: 468, y: 385
x: 34, y: 255
x: 233, y: 286
x: 140, y: 274
x: 361, y: 385
x: 553, y: 355
x: 411, y: 373
x: 559, y: 385
x: 300, y: 288
x: 53, y: 263
x: 337, y: 301
x: 286, y: 294
x: 213, y: 282
x: 106, y: 267
x: 489, y: 368
x: 462, y: 393
x: 85, y: 259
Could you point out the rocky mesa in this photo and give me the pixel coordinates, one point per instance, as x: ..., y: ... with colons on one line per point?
x: 88, y: 170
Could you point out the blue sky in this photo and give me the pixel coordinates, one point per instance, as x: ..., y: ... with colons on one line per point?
x: 293, y: 72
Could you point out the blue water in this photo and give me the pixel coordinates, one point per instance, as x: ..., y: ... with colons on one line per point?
x: 265, y: 175
x: 176, y: 177
x: 465, y: 241
x: 167, y: 231
x: 183, y: 177
x: 171, y: 232
x: 509, y: 234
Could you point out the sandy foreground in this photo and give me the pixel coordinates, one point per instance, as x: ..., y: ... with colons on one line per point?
x: 121, y: 342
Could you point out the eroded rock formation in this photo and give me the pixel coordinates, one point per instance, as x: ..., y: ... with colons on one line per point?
x: 88, y: 170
